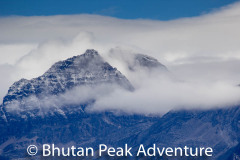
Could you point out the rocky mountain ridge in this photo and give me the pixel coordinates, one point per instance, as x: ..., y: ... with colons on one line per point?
x: 216, y: 128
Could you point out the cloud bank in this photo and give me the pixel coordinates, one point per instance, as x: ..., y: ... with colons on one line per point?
x: 202, y: 53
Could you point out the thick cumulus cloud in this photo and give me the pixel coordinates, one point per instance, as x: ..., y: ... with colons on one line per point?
x: 202, y: 53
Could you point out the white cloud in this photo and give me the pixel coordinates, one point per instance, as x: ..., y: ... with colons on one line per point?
x: 202, y: 51
x: 158, y: 97
x: 11, y: 53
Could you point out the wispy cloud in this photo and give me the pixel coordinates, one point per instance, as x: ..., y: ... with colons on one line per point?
x: 203, y: 52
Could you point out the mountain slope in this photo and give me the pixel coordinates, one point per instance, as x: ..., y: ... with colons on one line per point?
x: 74, y: 125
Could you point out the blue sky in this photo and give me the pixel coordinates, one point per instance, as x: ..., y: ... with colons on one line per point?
x: 125, y: 9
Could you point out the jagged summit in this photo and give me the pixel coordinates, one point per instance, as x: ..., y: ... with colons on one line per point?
x: 136, y: 62
x: 86, y: 69
x: 91, y: 52
x: 147, y: 61
x: 90, y: 56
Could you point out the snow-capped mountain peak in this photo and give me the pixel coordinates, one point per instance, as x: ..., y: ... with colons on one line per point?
x: 86, y: 69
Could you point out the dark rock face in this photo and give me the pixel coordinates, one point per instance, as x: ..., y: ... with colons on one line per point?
x: 219, y: 128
